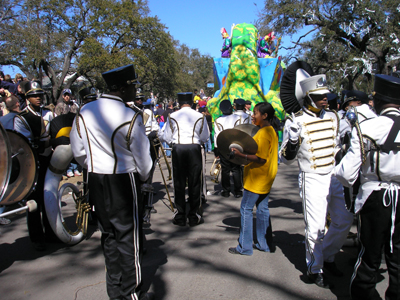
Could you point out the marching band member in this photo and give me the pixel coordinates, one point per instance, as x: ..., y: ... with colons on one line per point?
x: 187, y: 130
x: 377, y: 157
x: 115, y: 148
x: 356, y: 102
x: 243, y: 117
x: 227, y: 121
x: 34, y: 123
x: 313, y: 137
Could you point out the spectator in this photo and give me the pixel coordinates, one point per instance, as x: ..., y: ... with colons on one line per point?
x: 18, y: 78
x: 202, y: 95
x: 12, y: 105
x: 8, y: 78
x: 21, y: 94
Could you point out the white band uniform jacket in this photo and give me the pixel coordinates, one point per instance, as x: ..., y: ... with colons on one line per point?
x: 186, y: 126
x: 150, y: 122
x: 319, y: 140
x: 243, y: 118
x: 384, y: 164
x: 222, y: 123
x: 105, y: 140
x: 363, y: 112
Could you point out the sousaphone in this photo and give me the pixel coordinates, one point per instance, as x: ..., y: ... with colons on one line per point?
x: 239, y: 137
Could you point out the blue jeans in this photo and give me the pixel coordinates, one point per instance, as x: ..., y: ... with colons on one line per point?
x: 167, y: 152
x: 246, y: 217
x: 208, y: 146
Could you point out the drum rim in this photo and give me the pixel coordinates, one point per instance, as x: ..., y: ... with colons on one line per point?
x: 35, y: 156
x: 8, y: 175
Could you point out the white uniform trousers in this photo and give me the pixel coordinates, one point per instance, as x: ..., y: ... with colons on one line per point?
x: 322, y: 194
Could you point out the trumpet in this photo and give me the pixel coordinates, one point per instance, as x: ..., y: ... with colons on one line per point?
x: 215, y: 170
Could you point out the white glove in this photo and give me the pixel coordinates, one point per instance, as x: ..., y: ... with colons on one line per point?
x: 294, y: 130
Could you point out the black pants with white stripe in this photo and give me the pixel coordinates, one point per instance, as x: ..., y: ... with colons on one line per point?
x: 118, y: 208
x: 375, y: 233
x: 226, y: 168
x: 187, y: 165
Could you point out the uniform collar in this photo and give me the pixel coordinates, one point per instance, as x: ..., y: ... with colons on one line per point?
x: 36, y: 113
x: 321, y: 114
x: 112, y: 97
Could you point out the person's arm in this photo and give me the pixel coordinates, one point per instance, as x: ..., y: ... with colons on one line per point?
x: 77, y: 145
x: 348, y: 169
x: 140, y: 148
x: 249, y: 157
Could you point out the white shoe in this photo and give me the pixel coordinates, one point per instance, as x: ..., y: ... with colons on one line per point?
x: 77, y: 173
x: 70, y: 174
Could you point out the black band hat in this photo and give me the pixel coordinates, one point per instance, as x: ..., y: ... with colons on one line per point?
x: 240, y: 103
x: 33, y: 88
x: 226, y: 107
x: 88, y: 93
x: 185, y: 98
x: 121, y: 76
x: 387, y: 88
x: 352, y: 95
x: 291, y: 92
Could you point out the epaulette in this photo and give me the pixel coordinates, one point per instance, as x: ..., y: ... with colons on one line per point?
x: 297, y: 114
x: 135, y: 109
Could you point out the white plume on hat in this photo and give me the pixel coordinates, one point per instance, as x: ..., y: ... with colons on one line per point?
x: 301, y: 75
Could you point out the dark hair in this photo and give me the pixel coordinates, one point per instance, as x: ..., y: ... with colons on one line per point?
x: 267, y: 108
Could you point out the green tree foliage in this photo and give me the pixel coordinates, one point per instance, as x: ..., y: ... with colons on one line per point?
x: 196, y: 70
x: 87, y: 37
x: 348, y: 40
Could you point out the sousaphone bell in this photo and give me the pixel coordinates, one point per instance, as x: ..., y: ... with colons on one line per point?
x: 239, y: 137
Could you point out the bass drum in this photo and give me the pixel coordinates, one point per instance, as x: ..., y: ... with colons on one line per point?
x: 60, y: 160
x: 5, y: 161
x: 20, y: 172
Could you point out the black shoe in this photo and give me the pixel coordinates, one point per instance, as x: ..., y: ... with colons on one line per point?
x: 225, y: 194
x: 239, y: 194
x: 319, y: 280
x: 233, y: 251
x: 197, y: 222
x: 332, y: 268
x: 179, y: 223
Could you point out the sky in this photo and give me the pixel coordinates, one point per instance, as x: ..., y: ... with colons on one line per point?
x: 198, y: 23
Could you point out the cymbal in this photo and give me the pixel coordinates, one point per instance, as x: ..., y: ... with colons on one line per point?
x: 250, y: 129
x: 238, y: 139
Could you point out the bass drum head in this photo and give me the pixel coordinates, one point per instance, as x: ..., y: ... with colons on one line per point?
x: 24, y: 167
x: 5, y: 161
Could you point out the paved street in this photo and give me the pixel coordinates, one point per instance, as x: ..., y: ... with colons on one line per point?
x: 181, y: 263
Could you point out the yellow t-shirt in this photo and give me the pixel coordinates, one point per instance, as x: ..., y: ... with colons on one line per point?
x: 259, y: 178
x: 196, y: 99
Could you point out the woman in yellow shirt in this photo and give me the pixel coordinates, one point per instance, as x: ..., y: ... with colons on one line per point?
x: 259, y: 175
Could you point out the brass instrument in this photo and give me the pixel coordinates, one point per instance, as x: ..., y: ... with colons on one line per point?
x: 158, y: 143
x: 215, y: 170
x: 147, y: 188
x: 165, y: 158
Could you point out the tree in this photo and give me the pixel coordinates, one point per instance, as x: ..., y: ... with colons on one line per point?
x: 351, y: 38
x: 86, y: 37
x: 196, y: 70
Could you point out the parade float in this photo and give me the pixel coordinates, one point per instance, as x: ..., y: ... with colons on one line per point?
x: 248, y: 69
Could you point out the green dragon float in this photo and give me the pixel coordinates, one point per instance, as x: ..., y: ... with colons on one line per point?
x: 246, y: 76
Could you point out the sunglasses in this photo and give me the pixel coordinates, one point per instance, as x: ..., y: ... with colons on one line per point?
x: 318, y: 97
